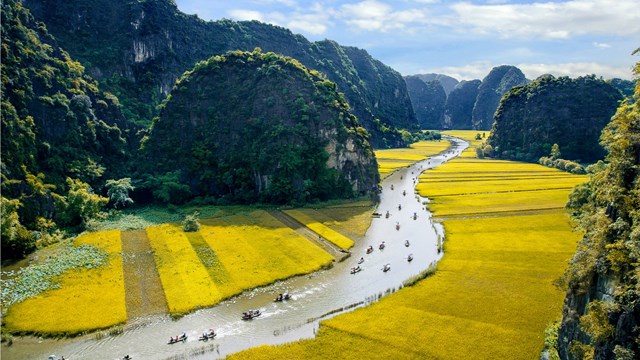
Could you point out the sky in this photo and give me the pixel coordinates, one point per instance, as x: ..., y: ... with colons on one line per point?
x: 463, y: 39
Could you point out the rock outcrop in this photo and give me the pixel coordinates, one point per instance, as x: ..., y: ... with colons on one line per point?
x: 428, y: 100
x: 499, y: 80
x: 252, y: 126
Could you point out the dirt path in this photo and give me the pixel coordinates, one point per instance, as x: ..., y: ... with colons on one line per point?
x: 143, y: 290
x: 314, y: 237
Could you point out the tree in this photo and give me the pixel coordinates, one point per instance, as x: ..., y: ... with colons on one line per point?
x: 191, y: 222
x: 118, y: 191
x: 17, y: 241
x: 81, y: 203
x: 555, y: 152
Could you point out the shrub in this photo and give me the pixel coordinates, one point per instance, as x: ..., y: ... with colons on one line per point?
x: 191, y: 222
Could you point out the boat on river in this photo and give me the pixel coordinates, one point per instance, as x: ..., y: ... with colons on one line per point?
x: 382, y: 246
x: 376, y: 215
x: 369, y: 249
x: 355, y: 270
x: 283, y: 297
x: 177, y: 339
x: 386, y: 267
x: 410, y: 257
x: 248, y: 315
x: 208, y: 335
x: 360, y: 261
x: 406, y: 243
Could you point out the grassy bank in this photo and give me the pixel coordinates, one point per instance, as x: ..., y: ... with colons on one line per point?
x: 492, y: 295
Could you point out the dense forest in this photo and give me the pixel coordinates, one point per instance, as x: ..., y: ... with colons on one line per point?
x: 275, y: 132
x: 601, y: 315
x: 69, y: 149
x: 568, y: 112
x: 61, y: 136
x: 137, y: 49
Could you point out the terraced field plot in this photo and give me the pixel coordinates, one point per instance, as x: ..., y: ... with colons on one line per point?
x: 310, y: 219
x: 391, y: 159
x: 228, y: 255
x: 87, y: 299
x: 492, y: 295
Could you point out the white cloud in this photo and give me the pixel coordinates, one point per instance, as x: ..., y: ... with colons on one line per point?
x: 478, y: 70
x: 241, y: 15
x: 601, y: 45
x: 550, y: 20
x: 373, y: 15
x: 308, y: 23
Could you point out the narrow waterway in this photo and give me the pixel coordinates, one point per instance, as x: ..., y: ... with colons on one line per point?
x: 315, y: 297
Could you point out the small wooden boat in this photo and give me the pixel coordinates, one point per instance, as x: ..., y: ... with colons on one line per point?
x: 283, y: 297
x: 386, y: 267
x: 208, y: 335
x: 382, y: 246
x: 177, y: 339
x: 386, y: 215
x: 404, y: 192
x: 415, y: 216
x: 355, y: 270
x: 248, y: 315
x: 410, y: 257
x: 369, y: 249
x: 376, y: 215
x: 397, y: 226
x: 360, y: 261
x: 406, y: 243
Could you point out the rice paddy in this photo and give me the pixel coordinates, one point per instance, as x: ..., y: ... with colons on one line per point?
x: 391, y: 159
x: 507, y: 239
x: 306, y: 217
x: 87, y: 299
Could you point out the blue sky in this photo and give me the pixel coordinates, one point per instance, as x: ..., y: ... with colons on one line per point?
x: 463, y: 39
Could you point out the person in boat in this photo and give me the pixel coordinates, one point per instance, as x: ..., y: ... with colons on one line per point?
x: 399, y: 206
x: 361, y: 260
x: 392, y: 187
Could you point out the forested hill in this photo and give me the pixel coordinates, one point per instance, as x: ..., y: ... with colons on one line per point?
x: 137, y: 49
x: 60, y: 133
x: 428, y: 100
x: 252, y: 126
x: 563, y: 111
x: 459, y: 105
x: 499, y: 80
x: 601, y: 314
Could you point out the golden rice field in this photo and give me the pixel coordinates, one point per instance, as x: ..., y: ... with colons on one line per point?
x: 391, y: 159
x: 470, y: 136
x: 310, y: 219
x: 492, y: 295
x: 228, y: 255
x: 88, y: 299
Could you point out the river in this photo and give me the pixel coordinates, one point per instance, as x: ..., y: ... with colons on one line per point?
x: 315, y: 297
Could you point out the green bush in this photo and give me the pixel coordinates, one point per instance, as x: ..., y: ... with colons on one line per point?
x: 191, y: 222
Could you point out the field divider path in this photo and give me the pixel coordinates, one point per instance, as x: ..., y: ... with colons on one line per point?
x: 309, y: 234
x: 144, y: 294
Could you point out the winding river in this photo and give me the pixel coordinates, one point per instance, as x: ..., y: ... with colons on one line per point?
x: 315, y: 297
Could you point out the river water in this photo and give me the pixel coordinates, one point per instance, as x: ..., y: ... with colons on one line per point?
x: 315, y: 297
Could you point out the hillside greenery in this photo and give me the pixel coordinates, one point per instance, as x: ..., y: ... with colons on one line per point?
x: 137, y: 49
x: 459, y: 105
x: 600, y: 317
x: 256, y: 127
x: 428, y: 101
x: 61, y: 137
x: 568, y: 112
x: 498, y: 82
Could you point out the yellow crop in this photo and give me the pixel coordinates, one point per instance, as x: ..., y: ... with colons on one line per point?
x: 227, y: 256
x: 321, y: 229
x: 391, y: 159
x: 88, y: 299
x: 492, y: 295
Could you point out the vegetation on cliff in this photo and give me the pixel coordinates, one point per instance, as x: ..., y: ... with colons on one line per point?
x: 459, y: 105
x: 428, y: 100
x: 499, y: 80
x: 137, y: 49
x: 253, y: 126
x: 61, y: 136
x: 563, y: 111
x: 601, y: 315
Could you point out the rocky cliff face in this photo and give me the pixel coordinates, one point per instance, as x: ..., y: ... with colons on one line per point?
x: 601, y: 313
x: 428, y: 100
x: 448, y: 83
x: 138, y: 48
x: 499, y: 80
x: 256, y: 126
x: 459, y: 105
x: 563, y: 111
